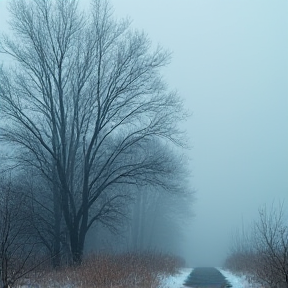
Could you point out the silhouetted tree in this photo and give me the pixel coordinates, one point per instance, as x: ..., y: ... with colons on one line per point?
x: 46, y: 214
x: 18, y: 244
x: 86, y: 103
x: 271, y: 245
x: 265, y: 255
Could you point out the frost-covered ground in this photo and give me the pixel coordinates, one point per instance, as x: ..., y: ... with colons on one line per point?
x: 178, y: 280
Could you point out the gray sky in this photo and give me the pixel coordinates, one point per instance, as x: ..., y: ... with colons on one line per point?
x: 230, y: 65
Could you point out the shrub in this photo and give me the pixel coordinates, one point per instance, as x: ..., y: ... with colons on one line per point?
x: 106, y: 270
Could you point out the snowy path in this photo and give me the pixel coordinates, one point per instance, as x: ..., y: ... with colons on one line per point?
x: 206, y: 277
x: 177, y: 281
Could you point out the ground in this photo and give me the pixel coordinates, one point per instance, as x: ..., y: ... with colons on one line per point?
x: 177, y: 281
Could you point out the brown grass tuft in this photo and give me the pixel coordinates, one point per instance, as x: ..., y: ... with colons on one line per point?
x: 141, y: 270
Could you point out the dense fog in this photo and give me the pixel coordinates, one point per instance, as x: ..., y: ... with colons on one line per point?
x: 229, y: 64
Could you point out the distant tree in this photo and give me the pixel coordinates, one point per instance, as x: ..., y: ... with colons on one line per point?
x: 158, y: 220
x: 85, y: 102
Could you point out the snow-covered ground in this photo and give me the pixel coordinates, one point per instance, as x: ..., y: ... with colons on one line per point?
x: 177, y: 281
x: 236, y: 281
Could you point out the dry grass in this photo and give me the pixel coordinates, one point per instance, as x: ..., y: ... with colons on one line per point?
x: 122, y: 271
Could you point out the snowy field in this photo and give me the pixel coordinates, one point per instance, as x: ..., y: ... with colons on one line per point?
x: 177, y: 281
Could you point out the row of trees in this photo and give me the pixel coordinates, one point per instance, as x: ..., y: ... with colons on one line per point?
x: 262, y: 253
x: 156, y: 220
x: 86, y: 121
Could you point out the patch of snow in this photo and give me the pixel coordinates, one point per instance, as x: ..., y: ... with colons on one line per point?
x: 176, y: 281
x: 238, y: 281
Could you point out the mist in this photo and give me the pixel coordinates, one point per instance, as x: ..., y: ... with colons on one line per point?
x: 230, y: 65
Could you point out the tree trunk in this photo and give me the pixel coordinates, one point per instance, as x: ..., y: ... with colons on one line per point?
x: 56, y: 257
x: 77, y: 246
x: 56, y: 260
x: 4, y: 272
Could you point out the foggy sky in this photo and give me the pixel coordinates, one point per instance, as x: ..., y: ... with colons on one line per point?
x: 230, y: 65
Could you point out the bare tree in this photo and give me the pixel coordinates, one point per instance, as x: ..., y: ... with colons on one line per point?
x: 158, y: 220
x: 17, y: 242
x: 85, y: 102
x: 46, y: 215
x: 271, y: 245
x: 265, y: 254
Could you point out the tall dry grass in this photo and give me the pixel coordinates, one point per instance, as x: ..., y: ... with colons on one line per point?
x: 129, y: 270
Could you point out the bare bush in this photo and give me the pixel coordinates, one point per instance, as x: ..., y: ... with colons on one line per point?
x: 18, y: 246
x: 271, y: 245
x: 266, y: 260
